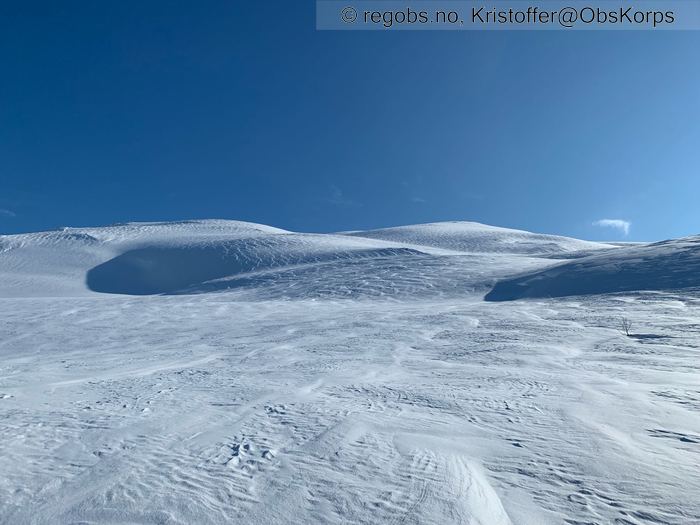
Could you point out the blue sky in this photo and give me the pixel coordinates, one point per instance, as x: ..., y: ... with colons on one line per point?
x: 121, y: 111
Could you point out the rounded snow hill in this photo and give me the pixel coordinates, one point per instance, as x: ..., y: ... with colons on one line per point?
x: 152, y: 258
x: 473, y: 237
x: 665, y: 265
x: 55, y: 263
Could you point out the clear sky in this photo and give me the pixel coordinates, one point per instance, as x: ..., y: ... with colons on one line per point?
x: 165, y: 110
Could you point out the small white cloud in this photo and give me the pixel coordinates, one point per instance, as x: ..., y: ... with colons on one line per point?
x: 7, y: 213
x: 617, y: 224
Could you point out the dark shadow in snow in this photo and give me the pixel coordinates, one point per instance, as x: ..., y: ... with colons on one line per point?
x: 645, y: 337
x: 169, y: 270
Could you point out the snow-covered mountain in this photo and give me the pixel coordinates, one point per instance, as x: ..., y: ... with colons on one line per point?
x: 197, y: 256
x: 450, y: 258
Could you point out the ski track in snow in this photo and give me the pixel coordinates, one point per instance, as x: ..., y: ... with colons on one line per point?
x: 404, y: 399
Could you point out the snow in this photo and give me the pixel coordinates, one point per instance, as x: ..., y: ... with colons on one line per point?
x: 473, y: 237
x: 55, y: 263
x: 309, y: 378
x: 659, y: 266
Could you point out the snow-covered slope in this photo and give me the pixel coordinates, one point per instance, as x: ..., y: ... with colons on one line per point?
x: 411, y: 400
x: 473, y: 237
x: 179, y: 268
x: 147, y: 258
x: 214, y: 255
x: 439, y: 259
x: 56, y: 263
x: 663, y: 265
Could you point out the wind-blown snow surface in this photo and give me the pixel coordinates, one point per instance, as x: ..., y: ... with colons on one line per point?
x: 660, y: 266
x: 473, y: 237
x: 296, y: 378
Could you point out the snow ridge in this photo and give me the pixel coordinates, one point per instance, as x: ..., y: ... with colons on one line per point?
x: 664, y: 265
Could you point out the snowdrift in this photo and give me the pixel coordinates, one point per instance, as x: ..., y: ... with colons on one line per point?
x: 664, y: 265
x: 472, y: 237
x: 201, y: 267
x: 55, y: 263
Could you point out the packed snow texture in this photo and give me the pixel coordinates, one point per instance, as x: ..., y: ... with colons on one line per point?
x: 227, y: 372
